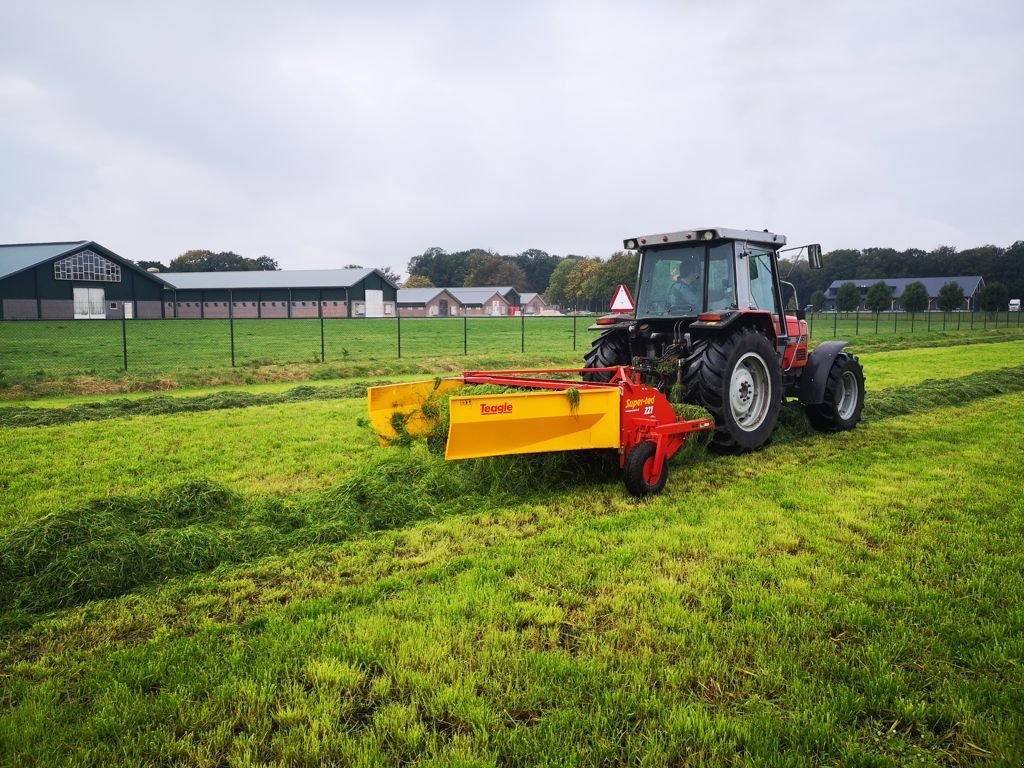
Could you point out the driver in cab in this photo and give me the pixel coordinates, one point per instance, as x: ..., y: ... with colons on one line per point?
x: 685, y: 290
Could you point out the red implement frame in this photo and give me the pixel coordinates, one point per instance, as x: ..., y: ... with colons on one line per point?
x: 645, y: 413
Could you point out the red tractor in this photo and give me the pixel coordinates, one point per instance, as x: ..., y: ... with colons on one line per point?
x: 710, y: 329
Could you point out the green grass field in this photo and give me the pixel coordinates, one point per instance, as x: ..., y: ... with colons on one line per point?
x: 43, y: 350
x: 261, y: 584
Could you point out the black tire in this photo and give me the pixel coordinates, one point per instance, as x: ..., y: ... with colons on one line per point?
x: 609, y: 349
x: 637, y: 476
x: 844, y: 396
x: 744, y: 361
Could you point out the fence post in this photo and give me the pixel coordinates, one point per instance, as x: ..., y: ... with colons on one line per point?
x: 231, y: 324
x: 959, y: 314
x: 835, y: 323
x: 912, y: 316
x: 856, y: 330
x: 574, y: 312
x: 398, y: 318
x: 972, y: 319
x: 810, y: 326
x: 465, y: 335
x: 876, y: 322
x: 928, y: 312
x: 323, y: 357
x: 522, y: 330
x: 124, y: 339
x: 895, y: 319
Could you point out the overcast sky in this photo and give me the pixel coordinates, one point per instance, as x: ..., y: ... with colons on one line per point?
x: 328, y: 133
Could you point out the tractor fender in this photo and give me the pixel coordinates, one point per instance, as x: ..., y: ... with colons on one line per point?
x: 815, y: 375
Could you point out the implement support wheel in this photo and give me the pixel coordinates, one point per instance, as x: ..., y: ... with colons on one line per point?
x: 639, y: 472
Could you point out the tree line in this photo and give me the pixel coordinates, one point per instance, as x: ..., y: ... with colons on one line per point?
x: 590, y: 282
x: 1002, y: 269
x: 584, y: 281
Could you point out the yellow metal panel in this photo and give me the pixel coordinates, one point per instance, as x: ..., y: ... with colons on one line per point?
x: 407, y: 401
x: 532, y: 422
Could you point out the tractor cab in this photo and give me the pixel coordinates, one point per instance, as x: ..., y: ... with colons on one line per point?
x: 685, y: 274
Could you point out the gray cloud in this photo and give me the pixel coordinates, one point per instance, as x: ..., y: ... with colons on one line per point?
x: 327, y: 133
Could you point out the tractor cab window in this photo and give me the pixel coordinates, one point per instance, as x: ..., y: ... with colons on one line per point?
x: 721, y: 278
x: 762, y: 282
x: 672, y: 282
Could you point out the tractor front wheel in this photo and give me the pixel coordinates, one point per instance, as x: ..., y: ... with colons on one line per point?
x: 737, y: 379
x: 844, y: 396
x: 639, y: 473
x: 610, y: 349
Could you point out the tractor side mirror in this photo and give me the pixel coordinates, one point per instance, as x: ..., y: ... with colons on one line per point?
x: 814, y: 255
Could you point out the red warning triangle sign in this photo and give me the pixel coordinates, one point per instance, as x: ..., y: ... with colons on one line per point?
x: 622, y: 301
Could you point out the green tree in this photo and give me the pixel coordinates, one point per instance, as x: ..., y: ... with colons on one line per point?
x: 818, y: 300
x: 879, y: 297
x: 848, y: 297
x: 576, y: 284
x: 226, y: 261
x: 915, y: 297
x: 558, y: 284
x: 151, y: 265
x: 537, y: 265
x: 951, y: 297
x: 418, y: 281
x: 619, y: 269
x: 995, y: 297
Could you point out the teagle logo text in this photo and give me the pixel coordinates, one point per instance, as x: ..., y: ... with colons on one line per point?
x: 488, y: 410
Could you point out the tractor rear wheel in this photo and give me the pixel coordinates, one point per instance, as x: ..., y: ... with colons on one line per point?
x: 609, y: 349
x: 844, y: 396
x: 737, y: 378
x: 639, y: 472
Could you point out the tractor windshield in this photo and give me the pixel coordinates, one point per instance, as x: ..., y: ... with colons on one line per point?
x: 685, y: 280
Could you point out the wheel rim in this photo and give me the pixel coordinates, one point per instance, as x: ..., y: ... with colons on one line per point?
x: 649, y: 477
x: 750, y: 392
x: 846, y: 395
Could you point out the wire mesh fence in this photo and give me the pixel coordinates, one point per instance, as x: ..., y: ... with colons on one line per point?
x: 824, y: 325
x: 53, y: 349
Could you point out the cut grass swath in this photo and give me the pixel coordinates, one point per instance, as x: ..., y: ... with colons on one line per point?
x: 109, y: 547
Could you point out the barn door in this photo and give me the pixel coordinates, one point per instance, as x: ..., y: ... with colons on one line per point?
x: 89, y: 304
x: 374, y: 303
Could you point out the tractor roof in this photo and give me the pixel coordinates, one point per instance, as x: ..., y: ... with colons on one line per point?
x: 711, y: 233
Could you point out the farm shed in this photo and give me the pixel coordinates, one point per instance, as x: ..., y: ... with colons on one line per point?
x: 972, y: 285
x: 533, y: 303
x: 428, y: 302
x: 280, y: 294
x: 489, y: 301
x: 75, y: 280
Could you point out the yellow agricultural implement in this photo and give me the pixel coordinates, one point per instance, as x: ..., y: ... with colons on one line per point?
x: 549, y: 414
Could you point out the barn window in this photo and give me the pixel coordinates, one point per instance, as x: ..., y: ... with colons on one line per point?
x: 113, y: 305
x: 87, y: 266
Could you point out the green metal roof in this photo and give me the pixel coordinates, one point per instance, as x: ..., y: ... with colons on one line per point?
x: 21, y: 256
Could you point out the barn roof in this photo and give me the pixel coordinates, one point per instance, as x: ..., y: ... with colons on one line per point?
x: 526, y: 298
x: 280, y: 278
x: 417, y: 295
x: 478, y: 295
x: 970, y: 283
x: 17, y: 257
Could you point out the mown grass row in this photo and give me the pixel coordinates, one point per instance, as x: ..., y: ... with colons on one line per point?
x: 112, y: 546
x: 159, y: 405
